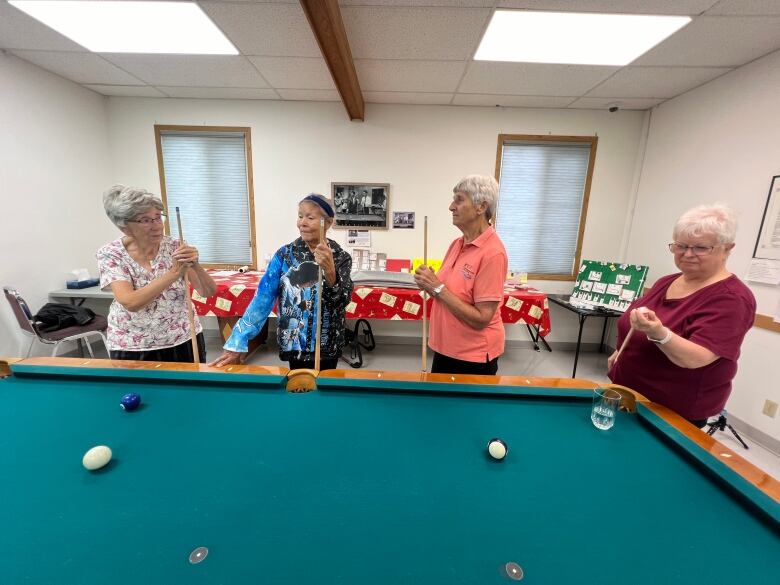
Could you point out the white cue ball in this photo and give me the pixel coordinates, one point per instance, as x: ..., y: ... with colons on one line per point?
x: 497, y: 449
x: 96, y: 457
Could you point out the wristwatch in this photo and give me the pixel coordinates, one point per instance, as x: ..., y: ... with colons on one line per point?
x: 665, y: 339
x: 437, y: 291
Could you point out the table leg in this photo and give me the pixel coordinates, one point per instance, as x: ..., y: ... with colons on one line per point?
x: 533, y: 331
x: 577, y: 349
x: 534, y: 338
x: 603, y: 334
x: 78, y: 341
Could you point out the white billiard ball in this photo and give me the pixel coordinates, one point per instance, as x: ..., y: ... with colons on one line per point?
x: 497, y: 449
x: 96, y: 457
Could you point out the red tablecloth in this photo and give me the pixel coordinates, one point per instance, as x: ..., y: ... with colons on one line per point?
x: 519, y: 306
x: 235, y: 292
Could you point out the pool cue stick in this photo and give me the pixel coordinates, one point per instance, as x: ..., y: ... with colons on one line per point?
x: 319, y: 304
x: 425, y: 301
x: 624, y: 344
x: 190, y: 313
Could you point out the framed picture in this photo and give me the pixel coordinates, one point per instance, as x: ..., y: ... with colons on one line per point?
x: 403, y: 220
x: 768, y: 244
x: 361, y: 205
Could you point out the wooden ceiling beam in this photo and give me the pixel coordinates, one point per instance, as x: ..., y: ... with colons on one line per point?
x: 325, y: 20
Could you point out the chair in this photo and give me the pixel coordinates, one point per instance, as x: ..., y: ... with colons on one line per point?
x: 24, y: 316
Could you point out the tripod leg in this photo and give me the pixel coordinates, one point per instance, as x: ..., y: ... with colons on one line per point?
x: 736, y: 434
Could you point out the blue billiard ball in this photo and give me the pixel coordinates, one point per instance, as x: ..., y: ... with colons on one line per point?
x: 130, y: 401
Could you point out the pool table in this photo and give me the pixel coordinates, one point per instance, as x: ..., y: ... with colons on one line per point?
x: 374, y: 478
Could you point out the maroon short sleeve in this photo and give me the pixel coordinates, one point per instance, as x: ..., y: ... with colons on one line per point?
x: 721, y: 324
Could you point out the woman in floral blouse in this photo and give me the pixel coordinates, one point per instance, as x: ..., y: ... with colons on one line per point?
x: 145, y: 269
x: 291, y: 281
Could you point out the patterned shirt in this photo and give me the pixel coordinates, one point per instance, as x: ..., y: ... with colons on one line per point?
x: 160, y: 324
x: 291, y: 280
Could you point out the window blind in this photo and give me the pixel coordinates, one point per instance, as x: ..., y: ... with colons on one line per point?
x: 540, y: 203
x: 206, y: 177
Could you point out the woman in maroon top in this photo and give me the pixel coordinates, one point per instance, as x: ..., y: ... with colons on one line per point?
x: 693, y: 322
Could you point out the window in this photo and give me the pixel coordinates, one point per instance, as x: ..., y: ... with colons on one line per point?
x: 543, y: 200
x: 207, y: 173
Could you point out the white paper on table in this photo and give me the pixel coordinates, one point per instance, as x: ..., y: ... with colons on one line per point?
x: 764, y: 271
x: 777, y: 313
x: 224, y: 273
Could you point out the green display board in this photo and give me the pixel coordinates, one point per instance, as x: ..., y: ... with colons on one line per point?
x: 608, y: 284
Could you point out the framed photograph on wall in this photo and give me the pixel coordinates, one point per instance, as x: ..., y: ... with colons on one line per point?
x: 768, y: 242
x: 361, y: 205
x: 403, y: 220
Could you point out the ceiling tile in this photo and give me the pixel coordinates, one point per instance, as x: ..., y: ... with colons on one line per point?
x: 295, y: 72
x: 511, y: 101
x: 717, y: 41
x: 190, y: 70
x: 279, y: 30
x: 589, y: 103
x: 20, y: 31
x: 400, y: 97
x: 126, y: 90
x: 532, y: 79
x: 227, y: 93
x: 254, y: 1
x: 655, y: 82
x: 746, y: 7
x: 413, y: 33
x: 415, y: 76
x: 310, y: 95
x: 79, y: 67
x: 407, y: 3
x: 688, y: 7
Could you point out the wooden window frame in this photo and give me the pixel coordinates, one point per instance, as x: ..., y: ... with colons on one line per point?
x: 593, y: 142
x: 159, y: 129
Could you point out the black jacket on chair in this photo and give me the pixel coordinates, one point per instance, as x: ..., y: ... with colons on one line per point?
x: 56, y: 316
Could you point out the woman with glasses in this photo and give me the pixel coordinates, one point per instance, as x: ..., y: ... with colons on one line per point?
x: 145, y: 270
x: 689, y: 327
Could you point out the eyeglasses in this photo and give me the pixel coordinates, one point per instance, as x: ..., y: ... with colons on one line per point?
x: 676, y: 248
x: 149, y: 220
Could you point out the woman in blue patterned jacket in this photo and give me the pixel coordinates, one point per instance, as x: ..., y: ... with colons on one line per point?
x: 291, y: 281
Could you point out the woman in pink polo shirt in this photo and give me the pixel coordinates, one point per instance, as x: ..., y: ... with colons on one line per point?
x: 467, y: 334
x: 693, y: 322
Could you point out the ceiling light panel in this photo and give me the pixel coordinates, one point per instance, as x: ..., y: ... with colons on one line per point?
x: 573, y: 38
x: 132, y: 27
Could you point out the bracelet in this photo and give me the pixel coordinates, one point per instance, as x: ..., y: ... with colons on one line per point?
x: 666, y: 338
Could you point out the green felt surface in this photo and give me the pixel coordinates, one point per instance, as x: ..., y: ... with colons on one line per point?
x: 354, y: 486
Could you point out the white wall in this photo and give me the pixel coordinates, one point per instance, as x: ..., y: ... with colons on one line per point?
x: 719, y: 143
x: 422, y: 151
x: 55, y: 165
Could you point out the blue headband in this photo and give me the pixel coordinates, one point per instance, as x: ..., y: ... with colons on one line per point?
x: 324, y: 205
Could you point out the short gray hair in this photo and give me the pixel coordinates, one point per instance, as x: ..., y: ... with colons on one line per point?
x: 481, y: 189
x: 716, y: 219
x: 123, y: 203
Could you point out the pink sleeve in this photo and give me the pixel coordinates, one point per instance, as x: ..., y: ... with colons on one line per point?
x: 721, y: 324
x: 489, y: 280
x: 111, y: 267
